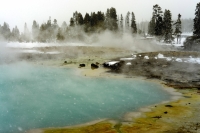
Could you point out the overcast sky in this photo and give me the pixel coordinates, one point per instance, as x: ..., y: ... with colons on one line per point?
x: 17, y: 12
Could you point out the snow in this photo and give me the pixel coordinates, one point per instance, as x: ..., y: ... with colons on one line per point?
x: 134, y: 56
x: 31, y: 51
x: 194, y: 60
x: 53, y: 52
x: 38, y: 52
x: 33, y: 45
x: 112, y: 62
x: 129, y: 63
x: 127, y: 59
x: 168, y: 59
x: 160, y: 56
x: 146, y: 57
x: 179, y: 60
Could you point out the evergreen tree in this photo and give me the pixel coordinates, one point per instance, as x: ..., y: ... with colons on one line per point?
x: 133, y: 24
x: 64, y: 27
x: 75, y: 18
x: 100, y: 20
x: 151, y: 27
x: 121, y: 22
x: 35, y: 30
x: 167, y: 26
x: 113, y: 19
x: 93, y: 20
x: 127, y: 21
x: 5, y: 31
x: 86, y: 21
x: 177, y: 31
x: 196, y: 26
x: 80, y: 19
x: 157, y: 14
x: 16, y: 33
x: 72, y: 22
x: 26, y: 35
x: 59, y: 35
x: 107, y: 19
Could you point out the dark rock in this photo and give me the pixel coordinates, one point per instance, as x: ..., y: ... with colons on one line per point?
x: 158, y: 117
x: 94, y: 66
x: 65, y: 61
x: 81, y: 65
x: 165, y: 112
x: 168, y: 106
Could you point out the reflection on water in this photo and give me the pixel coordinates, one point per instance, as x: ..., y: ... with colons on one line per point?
x: 38, y: 97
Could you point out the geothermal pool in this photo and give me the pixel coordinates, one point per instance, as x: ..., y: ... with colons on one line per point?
x: 38, y: 97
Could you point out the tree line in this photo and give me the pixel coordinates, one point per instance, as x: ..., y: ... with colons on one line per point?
x: 160, y: 26
x: 95, y: 22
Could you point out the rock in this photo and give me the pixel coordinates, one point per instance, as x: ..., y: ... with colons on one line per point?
x: 157, y: 117
x: 165, y: 112
x: 168, y: 106
x: 81, y: 65
x: 65, y: 62
x: 94, y: 66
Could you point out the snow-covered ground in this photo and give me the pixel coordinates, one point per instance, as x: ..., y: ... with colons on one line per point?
x: 38, y: 52
x: 33, y: 45
x: 183, y: 38
x: 190, y: 59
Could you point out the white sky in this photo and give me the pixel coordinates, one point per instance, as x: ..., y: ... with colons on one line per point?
x: 17, y: 12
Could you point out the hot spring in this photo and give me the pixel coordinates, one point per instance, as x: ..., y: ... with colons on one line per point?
x: 40, y: 96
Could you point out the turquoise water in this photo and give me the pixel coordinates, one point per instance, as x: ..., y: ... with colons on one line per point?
x: 39, y: 97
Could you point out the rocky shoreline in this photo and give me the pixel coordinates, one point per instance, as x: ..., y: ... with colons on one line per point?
x: 175, y: 74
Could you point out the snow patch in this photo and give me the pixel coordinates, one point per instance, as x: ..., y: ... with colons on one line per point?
x: 127, y: 59
x: 112, y: 63
x: 146, y: 57
x: 179, y: 60
x: 128, y: 64
x: 160, y: 56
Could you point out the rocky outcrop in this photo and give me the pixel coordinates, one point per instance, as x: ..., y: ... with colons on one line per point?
x: 173, y: 73
x: 94, y: 66
x: 81, y: 65
x: 192, y: 43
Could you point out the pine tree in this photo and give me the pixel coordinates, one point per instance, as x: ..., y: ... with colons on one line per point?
x: 59, y: 35
x: 121, y: 22
x: 151, y: 27
x: 35, y: 30
x: 133, y: 24
x: 26, y: 33
x: 177, y: 31
x: 157, y: 13
x: 100, y: 20
x: 80, y: 19
x: 113, y: 17
x: 72, y: 22
x: 196, y: 25
x: 86, y: 21
x: 107, y: 19
x: 5, y: 31
x: 127, y: 20
x: 167, y: 26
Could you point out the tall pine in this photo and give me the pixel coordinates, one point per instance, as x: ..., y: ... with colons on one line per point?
x: 177, y: 31
x: 151, y: 26
x: 157, y: 13
x: 196, y: 26
x: 167, y: 26
x: 133, y: 24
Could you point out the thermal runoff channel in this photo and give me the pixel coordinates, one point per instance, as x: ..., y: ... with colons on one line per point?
x: 38, y: 97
